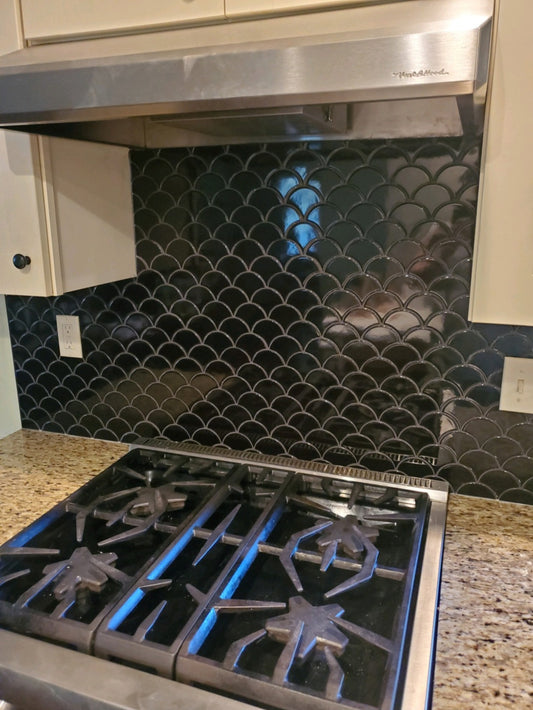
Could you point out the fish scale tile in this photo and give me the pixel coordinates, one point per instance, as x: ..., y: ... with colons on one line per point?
x: 299, y: 299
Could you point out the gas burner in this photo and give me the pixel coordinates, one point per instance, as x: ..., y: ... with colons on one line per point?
x: 81, y: 573
x: 302, y: 630
x: 83, y: 570
x: 349, y: 535
x: 354, y: 539
x: 307, y: 626
x: 142, y: 512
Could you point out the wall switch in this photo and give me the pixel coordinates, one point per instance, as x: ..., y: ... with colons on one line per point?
x: 517, y: 385
x: 68, y: 333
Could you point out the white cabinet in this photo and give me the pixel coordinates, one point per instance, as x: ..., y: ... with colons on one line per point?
x: 22, y: 217
x: 53, y: 19
x: 502, y: 278
x: 235, y: 8
x: 67, y: 206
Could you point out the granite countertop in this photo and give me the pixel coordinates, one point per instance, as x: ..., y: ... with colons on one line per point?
x: 485, y: 643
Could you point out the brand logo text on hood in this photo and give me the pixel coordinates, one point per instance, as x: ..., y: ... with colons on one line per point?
x: 419, y: 73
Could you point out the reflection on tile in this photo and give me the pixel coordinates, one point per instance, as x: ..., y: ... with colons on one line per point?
x: 307, y: 301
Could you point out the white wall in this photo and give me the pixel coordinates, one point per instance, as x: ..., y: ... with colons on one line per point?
x: 9, y: 406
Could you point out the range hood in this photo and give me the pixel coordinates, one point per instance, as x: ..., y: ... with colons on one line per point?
x: 376, y: 70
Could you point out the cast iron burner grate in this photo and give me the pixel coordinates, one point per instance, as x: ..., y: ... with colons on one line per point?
x: 306, y: 657
x: 66, y: 544
x: 290, y: 584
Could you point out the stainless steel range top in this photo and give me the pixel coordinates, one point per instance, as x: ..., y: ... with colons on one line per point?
x: 281, y: 583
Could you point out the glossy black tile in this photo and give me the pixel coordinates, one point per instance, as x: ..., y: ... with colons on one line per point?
x: 308, y: 300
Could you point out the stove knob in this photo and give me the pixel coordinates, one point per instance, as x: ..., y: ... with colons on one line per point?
x: 20, y: 261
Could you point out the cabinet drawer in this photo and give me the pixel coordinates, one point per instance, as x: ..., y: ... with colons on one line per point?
x: 235, y: 8
x: 56, y: 19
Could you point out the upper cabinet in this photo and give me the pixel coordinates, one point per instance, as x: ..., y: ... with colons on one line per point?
x: 22, y: 217
x: 54, y: 19
x: 66, y: 214
x: 235, y: 8
x: 502, y: 278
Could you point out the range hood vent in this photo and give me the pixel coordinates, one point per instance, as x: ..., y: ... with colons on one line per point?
x: 395, y: 69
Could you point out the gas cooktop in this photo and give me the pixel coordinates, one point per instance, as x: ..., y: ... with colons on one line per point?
x: 284, y: 583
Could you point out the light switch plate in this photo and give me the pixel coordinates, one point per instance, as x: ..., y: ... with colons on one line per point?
x: 517, y: 385
x: 69, y: 336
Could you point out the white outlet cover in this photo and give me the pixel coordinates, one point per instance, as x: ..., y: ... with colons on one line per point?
x: 517, y: 385
x: 69, y: 336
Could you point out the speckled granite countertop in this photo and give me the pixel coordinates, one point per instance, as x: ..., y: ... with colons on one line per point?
x: 485, y: 643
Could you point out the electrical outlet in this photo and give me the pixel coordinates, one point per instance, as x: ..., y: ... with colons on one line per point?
x: 68, y: 333
x: 517, y: 385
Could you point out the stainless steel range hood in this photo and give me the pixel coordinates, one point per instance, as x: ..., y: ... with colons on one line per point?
x: 392, y: 69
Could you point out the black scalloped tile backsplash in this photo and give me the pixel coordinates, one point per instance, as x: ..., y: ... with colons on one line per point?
x: 302, y: 299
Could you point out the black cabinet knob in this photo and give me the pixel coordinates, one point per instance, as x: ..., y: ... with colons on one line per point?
x: 20, y: 261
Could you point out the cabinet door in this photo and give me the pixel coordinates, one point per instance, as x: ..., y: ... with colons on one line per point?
x: 22, y: 217
x: 88, y: 199
x: 68, y: 206
x: 48, y: 19
x: 502, y: 278
x: 253, y: 7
